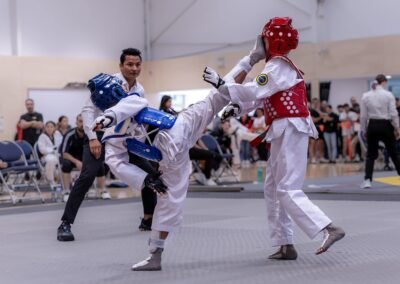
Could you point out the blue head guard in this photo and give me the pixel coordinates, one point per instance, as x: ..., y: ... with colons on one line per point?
x: 106, y: 91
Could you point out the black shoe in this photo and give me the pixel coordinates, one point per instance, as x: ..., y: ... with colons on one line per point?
x: 286, y: 252
x: 145, y: 225
x: 387, y: 168
x: 64, y: 233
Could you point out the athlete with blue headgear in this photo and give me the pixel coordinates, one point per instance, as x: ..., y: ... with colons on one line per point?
x: 172, y: 142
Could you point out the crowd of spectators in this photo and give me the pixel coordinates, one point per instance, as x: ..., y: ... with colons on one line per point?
x: 59, y: 146
x: 338, y: 139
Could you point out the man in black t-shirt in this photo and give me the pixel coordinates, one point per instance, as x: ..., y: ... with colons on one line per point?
x: 331, y: 121
x: 316, y: 147
x: 31, y: 123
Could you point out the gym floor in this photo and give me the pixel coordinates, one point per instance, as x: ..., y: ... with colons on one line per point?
x: 224, y: 238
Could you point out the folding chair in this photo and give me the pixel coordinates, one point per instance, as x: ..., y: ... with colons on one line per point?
x: 212, y: 145
x: 18, y: 166
x: 30, y: 157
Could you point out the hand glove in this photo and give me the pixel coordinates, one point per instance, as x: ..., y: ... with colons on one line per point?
x: 103, y: 121
x: 258, y: 52
x: 231, y: 110
x: 154, y: 182
x: 212, y: 77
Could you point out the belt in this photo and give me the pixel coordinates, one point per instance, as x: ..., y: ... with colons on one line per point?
x: 380, y: 119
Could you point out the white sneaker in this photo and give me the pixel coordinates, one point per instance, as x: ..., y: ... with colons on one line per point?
x: 219, y: 171
x: 210, y: 182
x: 92, y: 193
x: 200, y: 178
x: 105, y: 195
x: 66, y: 196
x: 366, y: 184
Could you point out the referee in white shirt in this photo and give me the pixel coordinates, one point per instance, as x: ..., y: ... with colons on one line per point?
x: 379, y: 122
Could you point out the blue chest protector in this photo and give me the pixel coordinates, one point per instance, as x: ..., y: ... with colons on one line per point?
x: 106, y: 91
x: 160, y: 120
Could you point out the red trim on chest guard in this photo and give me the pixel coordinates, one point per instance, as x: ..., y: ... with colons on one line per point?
x: 287, y: 103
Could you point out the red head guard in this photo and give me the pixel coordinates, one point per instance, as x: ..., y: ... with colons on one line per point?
x: 280, y: 35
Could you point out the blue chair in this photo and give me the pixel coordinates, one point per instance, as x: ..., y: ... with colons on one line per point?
x: 212, y: 144
x: 28, y: 152
x: 13, y: 177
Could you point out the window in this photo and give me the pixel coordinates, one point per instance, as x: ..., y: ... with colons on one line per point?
x: 183, y: 98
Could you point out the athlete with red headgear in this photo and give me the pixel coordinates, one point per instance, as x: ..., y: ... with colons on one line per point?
x: 281, y: 90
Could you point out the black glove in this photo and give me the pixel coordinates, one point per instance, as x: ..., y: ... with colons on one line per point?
x: 154, y: 182
x: 212, y: 77
x: 103, y: 121
x: 232, y: 110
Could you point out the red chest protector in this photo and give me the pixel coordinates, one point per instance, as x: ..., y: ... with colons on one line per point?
x: 287, y: 103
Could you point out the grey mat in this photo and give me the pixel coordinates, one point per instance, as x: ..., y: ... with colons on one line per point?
x: 222, y: 241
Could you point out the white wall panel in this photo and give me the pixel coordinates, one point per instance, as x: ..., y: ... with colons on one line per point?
x: 101, y: 28
x: 346, y: 19
x: 343, y: 90
x: 80, y: 28
x: 212, y: 24
x: 5, y: 28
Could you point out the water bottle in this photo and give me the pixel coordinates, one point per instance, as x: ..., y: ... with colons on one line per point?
x: 260, y: 175
x: 58, y: 194
x: 53, y: 193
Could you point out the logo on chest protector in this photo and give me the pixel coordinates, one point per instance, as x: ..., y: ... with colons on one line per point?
x: 262, y: 79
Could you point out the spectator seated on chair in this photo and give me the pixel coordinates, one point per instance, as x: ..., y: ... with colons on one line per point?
x: 212, y: 160
x: 48, y: 144
x: 71, y: 153
x: 223, y: 136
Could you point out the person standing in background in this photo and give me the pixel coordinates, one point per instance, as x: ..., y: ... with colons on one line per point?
x: 259, y: 127
x: 31, y: 123
x: 331, y: 121
x: 316, y: 146
x: 379, y: 122
x: 347, y: 117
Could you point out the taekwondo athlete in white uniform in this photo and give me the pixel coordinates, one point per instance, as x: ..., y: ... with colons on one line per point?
x: 280, y: 89
x: 171, y: 146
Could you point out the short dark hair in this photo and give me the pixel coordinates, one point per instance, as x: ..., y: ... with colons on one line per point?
x: 380, y: 78
x: 130, y: 51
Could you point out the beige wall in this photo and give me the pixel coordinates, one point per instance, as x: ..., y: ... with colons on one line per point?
x: 18, y: 74
x: 323, y: 61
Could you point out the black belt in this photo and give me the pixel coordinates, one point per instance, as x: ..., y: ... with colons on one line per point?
x: 380, y: 120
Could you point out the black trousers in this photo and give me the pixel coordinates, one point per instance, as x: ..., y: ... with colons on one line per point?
x: 212, y: 159
x: 262, y: 151
x: 149, y: 197
x: 90, y: 167
x: 380, y: 130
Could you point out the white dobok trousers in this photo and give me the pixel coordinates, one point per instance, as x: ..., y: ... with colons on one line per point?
x: 283, y: 192
x: 175, y: 165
